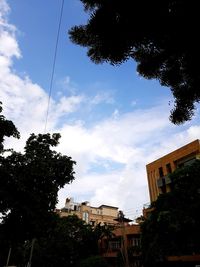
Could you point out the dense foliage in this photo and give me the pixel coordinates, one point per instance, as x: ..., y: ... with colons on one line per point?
x: 93, y: 261
x: 173, y: 226
x: 70, y: 241
x: 29, y: 184
x: 7, y: 129
x: 161, y: 36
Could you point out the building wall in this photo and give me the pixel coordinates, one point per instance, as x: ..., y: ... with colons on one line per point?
x: 158, y: 170
x: 125, y: 241
x: 109, y: 211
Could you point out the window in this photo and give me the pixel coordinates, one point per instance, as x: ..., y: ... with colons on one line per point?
x: 135, y: 242
x: 114, y: 245
x: 163, y: 189
x: 137, y: 263
x: 160, y: 172
x: 85, y: 217
x: 168, y: 168
x: 92, y: 223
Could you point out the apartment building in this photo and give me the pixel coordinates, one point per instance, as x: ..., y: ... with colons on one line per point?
x: 103, y: 214
x: 123, y: 249
x: 158, y: 171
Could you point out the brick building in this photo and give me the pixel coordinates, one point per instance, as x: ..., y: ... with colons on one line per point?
x: 124, y: 248
x: 158, y: 171
x: 159, y: 182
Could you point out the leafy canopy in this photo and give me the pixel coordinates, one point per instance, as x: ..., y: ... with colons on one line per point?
x: 29, y: 184
x: 7, y: 129
x: 173, y: 226
x: 65, y: 245
x: 69, y: 241
x: 161, y: 36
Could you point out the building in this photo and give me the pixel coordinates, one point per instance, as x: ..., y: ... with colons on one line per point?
x: 158, y: 171
x: 103, y: 214
x: 159, y: 182
x: 123, y: 249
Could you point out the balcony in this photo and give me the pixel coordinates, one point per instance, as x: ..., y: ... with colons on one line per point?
x: 167, y: 179
x: 160, y: 182
x: 164, y: 181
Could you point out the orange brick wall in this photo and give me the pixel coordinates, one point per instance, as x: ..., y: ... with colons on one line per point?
x: 190, y: 150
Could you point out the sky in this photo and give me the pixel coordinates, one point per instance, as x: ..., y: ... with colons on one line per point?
x: 112, y: 121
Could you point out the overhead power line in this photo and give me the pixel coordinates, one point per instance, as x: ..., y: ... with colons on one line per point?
x: 53, y: 66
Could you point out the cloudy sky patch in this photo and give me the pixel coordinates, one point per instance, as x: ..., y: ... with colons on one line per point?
x: 111, y: 136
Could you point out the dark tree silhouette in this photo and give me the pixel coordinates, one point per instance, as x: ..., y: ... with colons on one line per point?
x: 71, y: 242
x: 29, y: 185
x: 161, y: 36
x: 173, y: 226
x: 65, y: 245
x: 7, y: 129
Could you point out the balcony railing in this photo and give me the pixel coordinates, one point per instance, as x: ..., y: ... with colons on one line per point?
x: 164, y: 181
x: 160, y: 182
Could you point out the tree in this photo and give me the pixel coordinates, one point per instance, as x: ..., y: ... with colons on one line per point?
x: 93, y: 261
x: 173, y: 226
x: 71, y: 242
x: 161, y: 36
x: 29, y: 184
x: 65, y: 245
x: 7, y: 129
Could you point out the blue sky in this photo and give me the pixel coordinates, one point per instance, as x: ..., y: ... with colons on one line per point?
x: 113, y: 122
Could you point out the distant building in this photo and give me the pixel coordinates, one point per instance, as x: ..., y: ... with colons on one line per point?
x: 158, y: 171
x: 103, y: 214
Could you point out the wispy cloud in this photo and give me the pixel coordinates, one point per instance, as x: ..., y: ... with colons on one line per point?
x: 67, y: 86
x: 105, y: 97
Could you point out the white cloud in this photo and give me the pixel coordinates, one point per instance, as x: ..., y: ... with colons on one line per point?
x: 68, y: 86
x: 133, y: 139
x: 105, y: 97
x: 8, y: 45
x: 69, y: 104
x: 128, y: 141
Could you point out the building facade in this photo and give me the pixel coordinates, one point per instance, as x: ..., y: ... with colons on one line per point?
x: 103, y: 214
x: 123, y: 249
x: 158, y: 171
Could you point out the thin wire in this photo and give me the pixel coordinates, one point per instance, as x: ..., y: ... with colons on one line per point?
x: 53, y: 66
